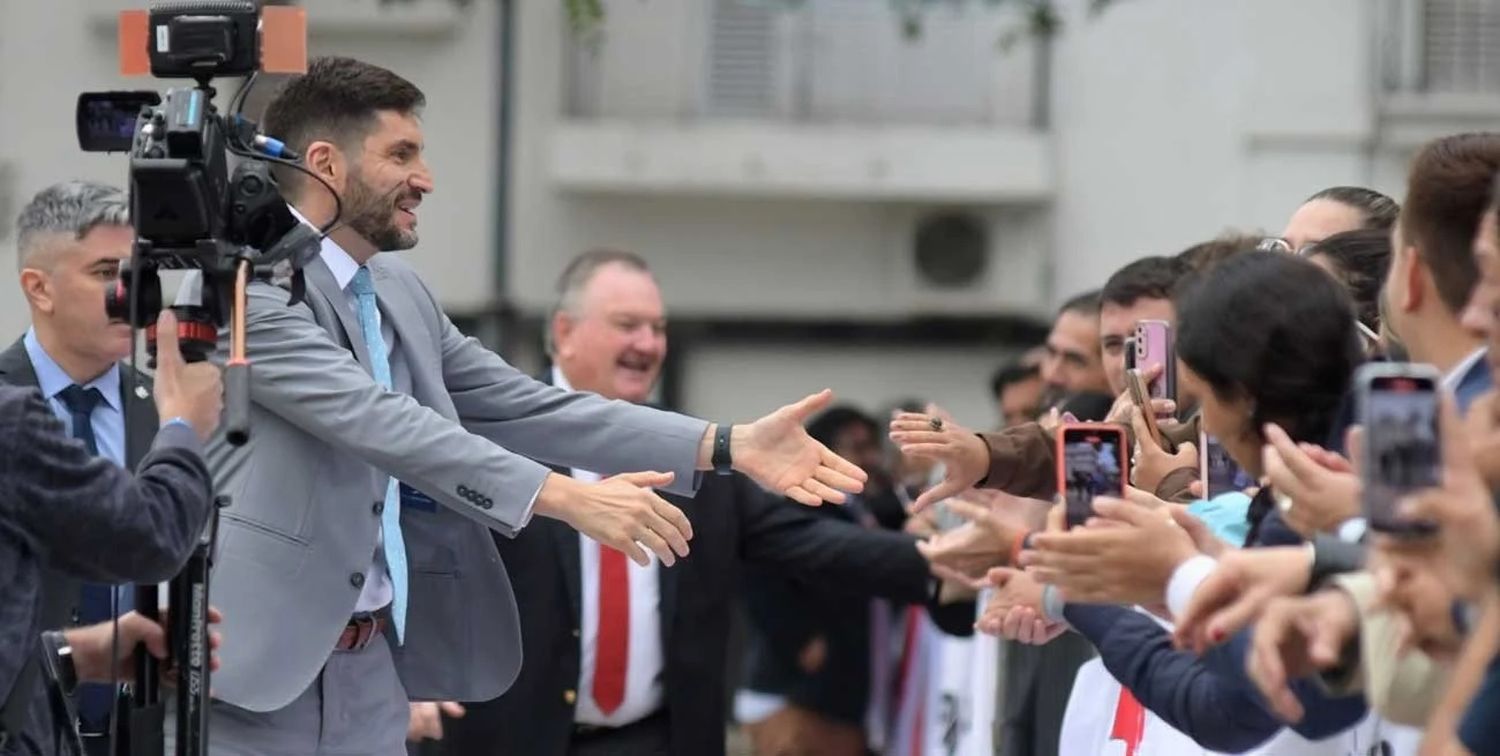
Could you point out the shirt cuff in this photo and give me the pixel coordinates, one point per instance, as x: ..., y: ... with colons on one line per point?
x: 1185, y: 581
x: 531, y: 505
x: 1353, y: 530
x: 177, y: 433
x: 1053, y: 604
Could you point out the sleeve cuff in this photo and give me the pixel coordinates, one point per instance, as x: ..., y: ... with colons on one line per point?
x: 1185, y: 581
x: 177, y: 433
x: 1053, y: 604
x: 1353, y: 530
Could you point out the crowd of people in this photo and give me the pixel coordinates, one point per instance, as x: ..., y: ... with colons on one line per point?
x: 428, y: 544
x: 1276, y: 619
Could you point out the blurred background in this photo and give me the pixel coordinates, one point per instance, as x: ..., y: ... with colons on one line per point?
x: 881, y: 196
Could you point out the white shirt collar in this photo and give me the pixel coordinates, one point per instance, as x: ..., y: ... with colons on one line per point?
x: 339, y: 262
x: 1456, y: 375
x: 559, y: 380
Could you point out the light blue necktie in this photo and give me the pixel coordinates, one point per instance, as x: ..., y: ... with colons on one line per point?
x: 390, y: 516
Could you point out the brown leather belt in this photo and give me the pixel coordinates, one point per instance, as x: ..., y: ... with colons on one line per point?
x: 361, y: 630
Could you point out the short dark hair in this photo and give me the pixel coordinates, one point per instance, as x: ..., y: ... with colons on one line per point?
x: 1146, y: 278
x: 828, y: 423
x: 1205, y: 255
x: 1378, y: 210
x: 1276, y: 330
x: 1011, y: 374
x: 336, y: 101
x: 1360, y: 260
x: 1086, y: 303
x: 1447, y: 189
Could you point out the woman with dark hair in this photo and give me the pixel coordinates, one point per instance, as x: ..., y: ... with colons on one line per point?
x: 1335, y: 210
x: 1266, y: 338
x: 1263, y: 339
x: 1359, y: 260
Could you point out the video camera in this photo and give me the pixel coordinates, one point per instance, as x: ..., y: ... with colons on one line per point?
x: 189, y: 209
x: 192, y: 209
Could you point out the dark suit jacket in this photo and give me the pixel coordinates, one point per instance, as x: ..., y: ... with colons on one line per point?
x: 733, y: 523
x: 64, y: 509
x: 140, y: 428
x: 60, y: 591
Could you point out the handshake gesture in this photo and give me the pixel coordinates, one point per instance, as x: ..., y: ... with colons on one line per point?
x: 775, y: 451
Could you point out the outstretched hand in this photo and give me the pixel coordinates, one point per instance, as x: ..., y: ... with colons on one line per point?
x: 964, y: 455
x: 777, y: 453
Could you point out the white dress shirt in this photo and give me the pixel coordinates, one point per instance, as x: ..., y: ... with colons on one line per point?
x: 377, y: 592
x: 644, y: 661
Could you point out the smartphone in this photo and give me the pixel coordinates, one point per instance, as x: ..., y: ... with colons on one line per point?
x: 1154, y: 346
x: 1218, y: 471
x: 1398, y: 407
x: 1140, y: 396
x: 1130, y: 353
x: 1091, y: 461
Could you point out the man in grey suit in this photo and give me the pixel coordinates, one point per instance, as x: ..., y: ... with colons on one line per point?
x: 355, y: 569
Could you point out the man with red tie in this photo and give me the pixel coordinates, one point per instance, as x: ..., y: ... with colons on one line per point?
x: 624, y: 659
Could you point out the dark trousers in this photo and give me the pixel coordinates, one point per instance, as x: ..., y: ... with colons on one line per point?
x: 651, y: 736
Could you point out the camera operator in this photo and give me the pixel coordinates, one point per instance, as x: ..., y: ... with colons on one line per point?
x: 67, y: 509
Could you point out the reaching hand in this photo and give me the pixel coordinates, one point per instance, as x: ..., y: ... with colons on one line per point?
x: 1014, y: 611
x: 1323, y: 495
x: 1244, y: 581
x: 621, y: 512
x: 1467, y: 547
x: 1296, y: 637
x: 1125, y: 556
x: 92, y: 646
x: 776, y: 452
x: 427, y: 719
x: 964, y: 455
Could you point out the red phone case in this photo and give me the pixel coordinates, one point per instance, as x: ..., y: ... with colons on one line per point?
x: 1102, y: 428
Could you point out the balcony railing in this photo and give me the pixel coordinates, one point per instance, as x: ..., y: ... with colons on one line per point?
x: 814, y: 62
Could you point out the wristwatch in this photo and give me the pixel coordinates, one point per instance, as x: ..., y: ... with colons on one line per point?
x: 722, y: 460
x: 58, y: 657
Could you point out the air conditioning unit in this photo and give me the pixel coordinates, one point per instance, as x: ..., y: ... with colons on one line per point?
x: 971, y: 260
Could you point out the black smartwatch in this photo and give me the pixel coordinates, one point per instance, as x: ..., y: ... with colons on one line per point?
x: 722, y: 460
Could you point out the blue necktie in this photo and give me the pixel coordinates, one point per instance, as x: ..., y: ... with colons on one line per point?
x: 96, y: 604
x: 390, y: 516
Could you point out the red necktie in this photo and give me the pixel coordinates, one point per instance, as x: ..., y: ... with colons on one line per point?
x: 613, y: 646
x: 1130, y: 722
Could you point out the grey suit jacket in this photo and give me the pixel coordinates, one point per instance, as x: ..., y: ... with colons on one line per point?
x: 306, y: 489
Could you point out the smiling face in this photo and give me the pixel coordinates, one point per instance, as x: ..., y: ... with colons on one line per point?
x: 613, y: 338
x: 386, y: 183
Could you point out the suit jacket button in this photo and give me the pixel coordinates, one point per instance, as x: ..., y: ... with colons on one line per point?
x: 570, y: 697
x: 379, y: 508
x: 357, y: 580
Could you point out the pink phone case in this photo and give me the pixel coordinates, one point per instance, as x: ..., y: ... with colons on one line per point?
x: 1153, y: 346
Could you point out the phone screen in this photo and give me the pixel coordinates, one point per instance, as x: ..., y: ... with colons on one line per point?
x: 1220, y: 473
x: 1093, y: 465
x: 1402, y: 451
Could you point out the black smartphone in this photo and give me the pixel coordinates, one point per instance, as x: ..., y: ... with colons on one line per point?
x: 1402, y: 455
x: 1091, y: 461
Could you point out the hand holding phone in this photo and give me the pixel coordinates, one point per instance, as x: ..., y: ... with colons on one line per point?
x: 1091, y: 461
x: 1155, y: 348
x: 1140, y: 395
x: 1399, y: 409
